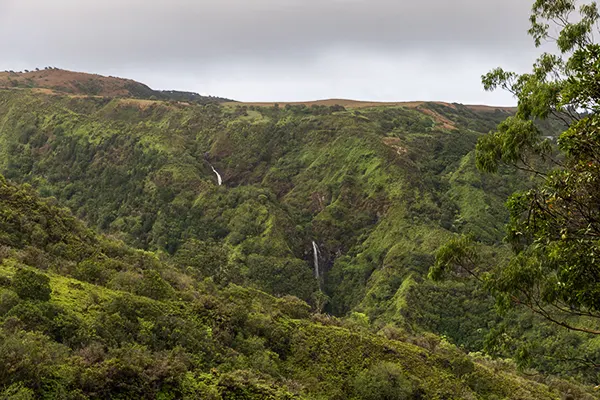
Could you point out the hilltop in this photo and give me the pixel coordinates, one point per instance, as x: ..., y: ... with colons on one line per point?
x: 52, y: 80
x: 59, y: 81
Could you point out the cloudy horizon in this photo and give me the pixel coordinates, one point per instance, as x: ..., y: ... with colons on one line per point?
x: 286, y: 50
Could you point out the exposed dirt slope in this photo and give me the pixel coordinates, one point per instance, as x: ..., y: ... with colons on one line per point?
x: 76, y: 83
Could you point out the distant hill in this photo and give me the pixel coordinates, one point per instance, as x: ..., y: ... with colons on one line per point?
x: 347, y: 103
x: 84, y: 84
x: 55, y: 80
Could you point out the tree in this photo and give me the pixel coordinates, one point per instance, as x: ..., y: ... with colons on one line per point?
x: 30, y: 285
x: 154, y: 286
x: 554, y: 228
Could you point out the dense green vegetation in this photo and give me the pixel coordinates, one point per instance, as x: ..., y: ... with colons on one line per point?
x: 127, y: 270
x: 85, y: 316
x: 553, y: 228
x: 378, y: 189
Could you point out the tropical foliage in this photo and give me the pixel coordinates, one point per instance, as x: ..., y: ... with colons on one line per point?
x: 151, y: 331
x: 127, y: 269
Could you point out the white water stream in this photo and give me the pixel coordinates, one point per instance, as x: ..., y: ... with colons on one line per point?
x: 316, y: 259
x: 219, y: 179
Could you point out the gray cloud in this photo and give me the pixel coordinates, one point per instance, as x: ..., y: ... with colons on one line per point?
x: 271, y: 44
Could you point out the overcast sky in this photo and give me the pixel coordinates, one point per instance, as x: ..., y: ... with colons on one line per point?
x: 278, y: 50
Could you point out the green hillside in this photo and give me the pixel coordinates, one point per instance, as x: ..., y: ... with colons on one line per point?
x: 85, y: 316
x: 377, y: 188
x: 163, y: 244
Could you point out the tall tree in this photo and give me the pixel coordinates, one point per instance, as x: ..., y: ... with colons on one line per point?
x: 554, y: 228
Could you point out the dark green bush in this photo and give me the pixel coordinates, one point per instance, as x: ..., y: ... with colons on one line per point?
x: 31, y: 285
x: 384, y: 381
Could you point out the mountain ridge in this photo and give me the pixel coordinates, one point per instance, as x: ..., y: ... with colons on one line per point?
x: 59, y: 81
x: 55, y: 80
x: 350, y: 103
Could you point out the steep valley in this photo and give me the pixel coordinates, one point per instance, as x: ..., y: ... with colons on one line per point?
x: 211, y: 219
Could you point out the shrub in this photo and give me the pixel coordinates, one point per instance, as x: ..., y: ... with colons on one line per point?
x: 17, y: 391
x: 8, y: 299
x: 384, y: 381
x: 5, y: 281
x: 154, y: 286
x: 90, y: 271
x: 30, y: 285
x: 293, y: 307
x: 28, y: 358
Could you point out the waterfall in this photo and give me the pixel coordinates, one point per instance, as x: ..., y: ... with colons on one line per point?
x: 316, y: 258
x: 219, y: 179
